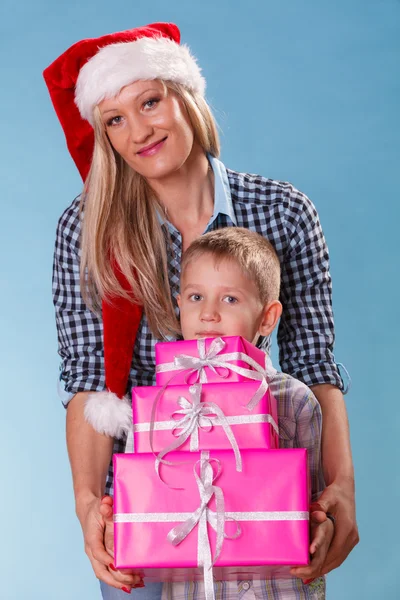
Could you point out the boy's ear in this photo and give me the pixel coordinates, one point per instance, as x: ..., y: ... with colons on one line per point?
x: 178, y: 299
x: 271, y: 315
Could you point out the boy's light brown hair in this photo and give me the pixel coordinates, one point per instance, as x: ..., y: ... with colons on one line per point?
x: 252, y: 252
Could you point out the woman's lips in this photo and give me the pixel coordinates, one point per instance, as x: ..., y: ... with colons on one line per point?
x: 152, y: 149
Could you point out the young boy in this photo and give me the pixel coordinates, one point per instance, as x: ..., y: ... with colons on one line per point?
x: 230, y: 281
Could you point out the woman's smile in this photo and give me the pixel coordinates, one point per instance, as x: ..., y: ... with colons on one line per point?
x: 153, y: 148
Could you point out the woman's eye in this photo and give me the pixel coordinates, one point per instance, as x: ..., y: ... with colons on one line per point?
x: 195, y: 297
x: 114, y: 121
x: 230, y: 299
x: 151, y: 103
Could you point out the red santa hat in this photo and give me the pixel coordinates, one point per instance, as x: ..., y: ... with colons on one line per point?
x: 87, y: 73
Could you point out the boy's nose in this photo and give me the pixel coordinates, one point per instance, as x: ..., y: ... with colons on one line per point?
x: 209, y: 314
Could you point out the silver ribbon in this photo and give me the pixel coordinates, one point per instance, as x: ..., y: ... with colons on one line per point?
x: 200, y: 517
x: 231, y: 419
x: 258, y: 515
x: 213, y: 360
x: 197, y: 416
x: 197, y: 364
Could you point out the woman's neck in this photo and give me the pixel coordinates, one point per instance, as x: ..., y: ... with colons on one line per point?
x: 187, y: 195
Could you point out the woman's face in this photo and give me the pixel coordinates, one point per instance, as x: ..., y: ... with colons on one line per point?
x: 149, y: 127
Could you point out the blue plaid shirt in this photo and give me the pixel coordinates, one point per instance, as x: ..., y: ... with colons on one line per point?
x: 274, y: 209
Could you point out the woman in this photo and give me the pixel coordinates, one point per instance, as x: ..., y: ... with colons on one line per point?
x: 146, y: 144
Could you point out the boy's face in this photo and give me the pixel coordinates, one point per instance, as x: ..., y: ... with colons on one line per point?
x: 219, y: 300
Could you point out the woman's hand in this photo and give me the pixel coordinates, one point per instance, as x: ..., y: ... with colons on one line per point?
x: 89, y: 454
x: 106, y: 511
x: 97, y: 526
x: 338, y: 499
x: 322, y: 530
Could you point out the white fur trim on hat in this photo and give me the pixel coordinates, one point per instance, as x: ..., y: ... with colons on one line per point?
x: 108, y: 414
x: 118, y: 65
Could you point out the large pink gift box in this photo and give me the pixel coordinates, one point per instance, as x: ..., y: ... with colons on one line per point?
x: 269, y: 500
x: 213, y: 412
x: 178, y: 363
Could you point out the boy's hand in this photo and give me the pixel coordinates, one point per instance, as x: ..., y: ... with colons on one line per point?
x: 322, y: 530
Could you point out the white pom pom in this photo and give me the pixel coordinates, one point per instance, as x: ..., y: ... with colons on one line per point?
x: 108, y: 414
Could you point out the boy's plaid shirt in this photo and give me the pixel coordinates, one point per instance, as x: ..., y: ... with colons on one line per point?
x: 300, y: 426
x: 274, y: 209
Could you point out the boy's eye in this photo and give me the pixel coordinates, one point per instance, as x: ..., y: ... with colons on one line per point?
x: 195, y: 297
x: 230, y: 299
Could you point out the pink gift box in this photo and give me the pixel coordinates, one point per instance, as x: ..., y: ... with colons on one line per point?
x: 251, y: 429
x: 166, y: 353
x: 270, y: 501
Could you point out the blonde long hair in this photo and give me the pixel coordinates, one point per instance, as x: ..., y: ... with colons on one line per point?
x: 119, y: 221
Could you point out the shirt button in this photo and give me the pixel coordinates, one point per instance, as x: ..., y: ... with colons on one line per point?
x: 246, y: 585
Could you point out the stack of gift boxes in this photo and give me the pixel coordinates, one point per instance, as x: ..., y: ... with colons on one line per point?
x: 207, y: 493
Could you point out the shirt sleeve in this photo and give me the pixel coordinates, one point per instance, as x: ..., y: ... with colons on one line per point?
x: 306, y: 331
x: 79, y: 330
x: 308, y: 418
x: 300, y: 424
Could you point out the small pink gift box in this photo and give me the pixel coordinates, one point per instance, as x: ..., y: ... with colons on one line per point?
x: 164, y: 533
x: 232, y: 358
x: 208, y: 416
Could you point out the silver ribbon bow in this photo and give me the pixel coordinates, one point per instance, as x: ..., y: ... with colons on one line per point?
x: 200, y: 517
x: 197, y: 364
x: 213, y: 360
x: 197, y: 416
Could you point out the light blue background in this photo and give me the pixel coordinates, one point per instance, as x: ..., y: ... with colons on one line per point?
x: 303, y: 91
